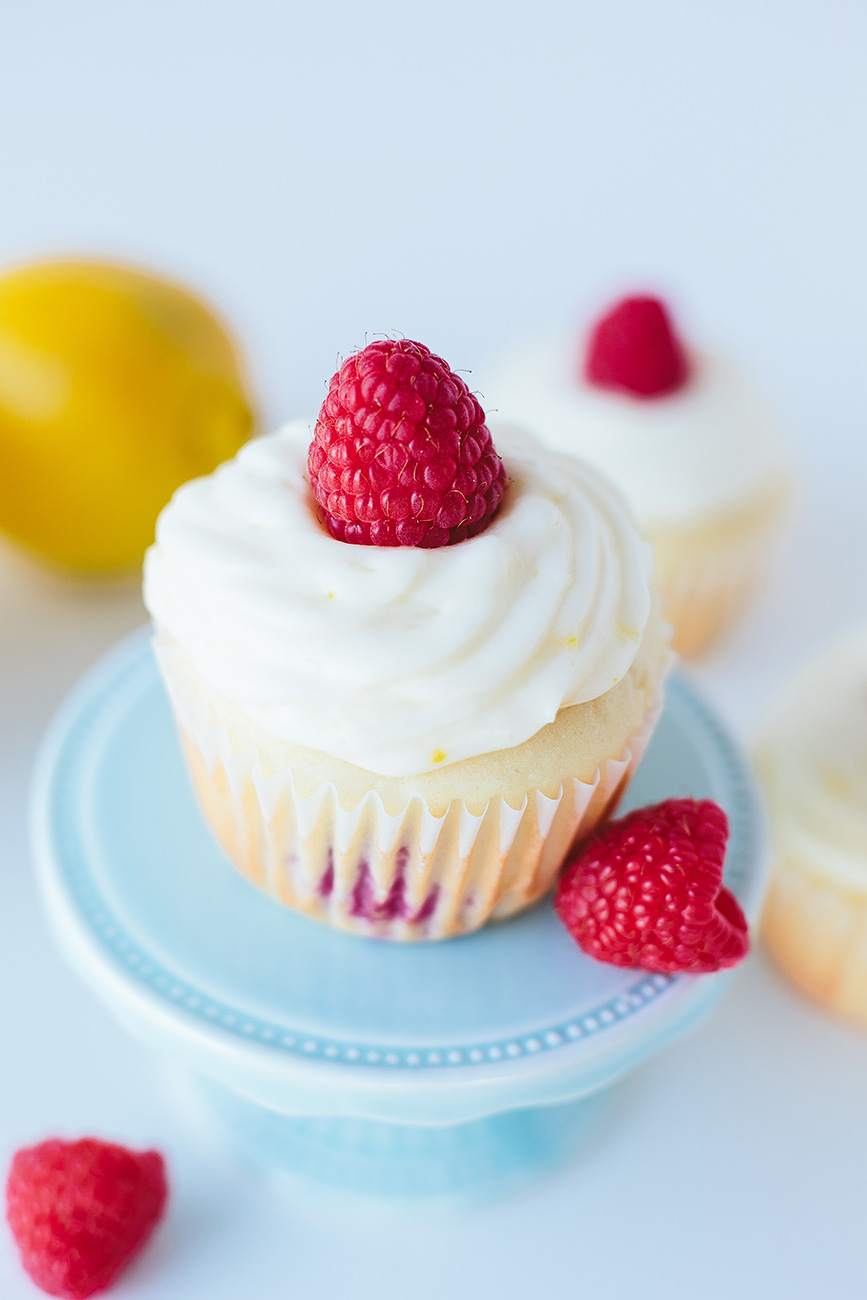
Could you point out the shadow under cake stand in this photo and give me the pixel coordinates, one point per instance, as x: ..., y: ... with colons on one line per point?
x: 396, y: 1069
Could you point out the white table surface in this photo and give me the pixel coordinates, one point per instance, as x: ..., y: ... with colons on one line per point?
x: 464, y: 174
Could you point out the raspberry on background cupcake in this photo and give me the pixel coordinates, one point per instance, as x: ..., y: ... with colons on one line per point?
x: 410, y: 662
x: 682, y: 433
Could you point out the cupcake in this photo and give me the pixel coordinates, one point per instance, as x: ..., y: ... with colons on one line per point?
x: 685, y: 437
x: 408, y: 669
x: 813, y: 763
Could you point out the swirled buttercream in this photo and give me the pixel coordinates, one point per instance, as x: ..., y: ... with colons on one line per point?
x: 400, y: 660
x: 676, y: 458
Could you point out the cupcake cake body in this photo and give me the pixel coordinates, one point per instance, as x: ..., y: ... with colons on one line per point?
x: 700, y: 462
x: 813, y: 764
x: 405, y: 741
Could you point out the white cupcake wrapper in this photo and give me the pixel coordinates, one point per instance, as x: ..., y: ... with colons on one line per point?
x: 409, y: 875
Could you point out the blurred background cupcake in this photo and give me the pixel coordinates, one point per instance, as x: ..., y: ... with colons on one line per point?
x: 813, y: 763
x: 682, y: 432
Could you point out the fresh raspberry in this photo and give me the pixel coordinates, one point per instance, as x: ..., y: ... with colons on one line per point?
x: 401, y: 455
x: 647, y: 891
x: 80, y: 1211
x: 634, y: 347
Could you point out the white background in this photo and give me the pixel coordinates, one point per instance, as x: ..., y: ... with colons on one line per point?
x: 464, y: 174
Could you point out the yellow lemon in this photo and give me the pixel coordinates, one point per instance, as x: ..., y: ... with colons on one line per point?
x: 115, y: 387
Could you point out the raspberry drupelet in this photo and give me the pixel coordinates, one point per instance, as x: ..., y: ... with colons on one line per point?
x: 401, y: 454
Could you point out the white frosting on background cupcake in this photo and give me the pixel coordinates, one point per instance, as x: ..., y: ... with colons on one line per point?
x: 400, y: 659
x: 676, y: 457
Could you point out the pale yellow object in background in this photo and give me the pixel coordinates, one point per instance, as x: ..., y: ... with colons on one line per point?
x: 116, y: 386
x: 813, y: 763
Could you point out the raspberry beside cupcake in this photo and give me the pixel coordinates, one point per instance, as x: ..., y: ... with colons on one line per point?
x: 405, y: 740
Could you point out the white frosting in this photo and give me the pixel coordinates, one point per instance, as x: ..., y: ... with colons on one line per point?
x: 398, y: 659
x: 675, y: 457
x: 814, y: 759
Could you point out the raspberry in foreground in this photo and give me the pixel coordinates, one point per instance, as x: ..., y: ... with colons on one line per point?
x: 80, y: 1211
x: 635, y: 348
x: 646, y: 891
x: 401, y: 455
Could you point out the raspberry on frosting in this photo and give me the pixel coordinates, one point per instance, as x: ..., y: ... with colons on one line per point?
x: 646, y: 891
x: 634, y: 348
x: 401, y: 455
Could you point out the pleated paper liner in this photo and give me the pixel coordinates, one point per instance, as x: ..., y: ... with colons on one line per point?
x: 409, y: 875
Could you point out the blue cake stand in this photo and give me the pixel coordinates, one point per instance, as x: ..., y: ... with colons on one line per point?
x: 396, y: 1069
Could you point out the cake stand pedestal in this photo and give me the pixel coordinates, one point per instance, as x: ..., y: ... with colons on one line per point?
x: 403, y: 1070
